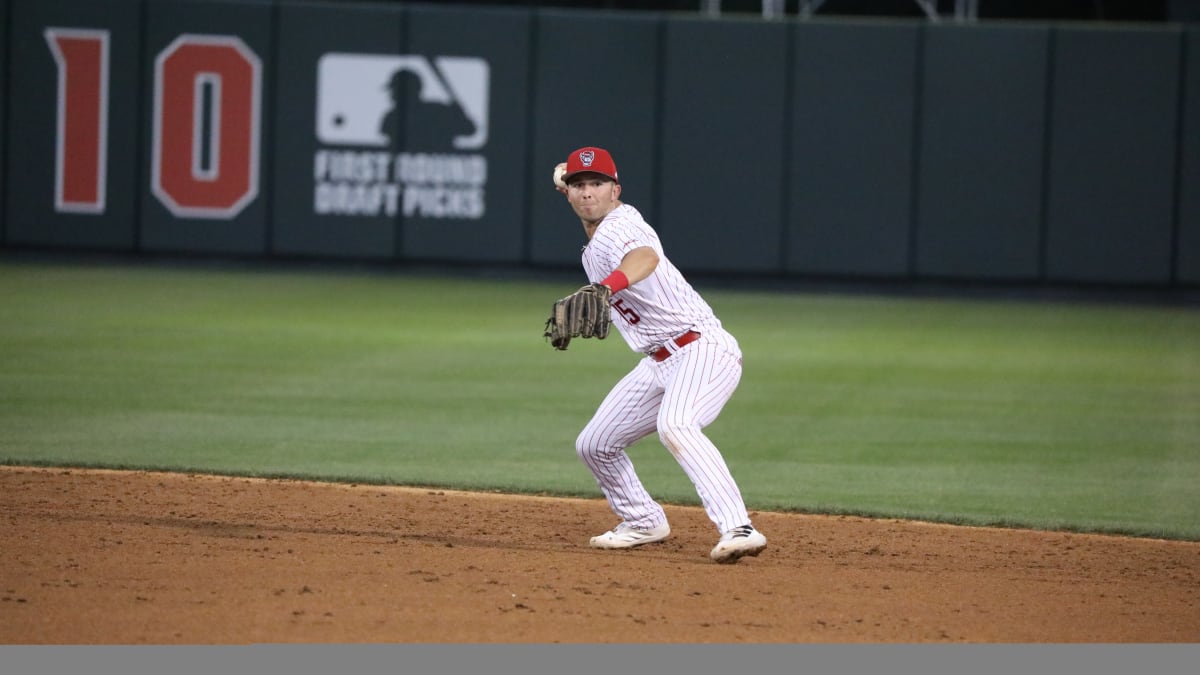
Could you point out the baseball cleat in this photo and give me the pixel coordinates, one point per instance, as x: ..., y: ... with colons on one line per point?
x: 628, y: 536
x: 737, y: 543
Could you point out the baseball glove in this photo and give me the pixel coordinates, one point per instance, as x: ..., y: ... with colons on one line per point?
x: 584, y: 314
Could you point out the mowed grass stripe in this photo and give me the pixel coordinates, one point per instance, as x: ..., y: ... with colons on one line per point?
x: 1029, y: 414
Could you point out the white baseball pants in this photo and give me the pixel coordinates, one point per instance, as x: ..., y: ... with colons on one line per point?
x: 677, y: 398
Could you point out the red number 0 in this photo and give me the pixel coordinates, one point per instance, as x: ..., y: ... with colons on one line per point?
x: 230, y: 73
x: 627, y: 312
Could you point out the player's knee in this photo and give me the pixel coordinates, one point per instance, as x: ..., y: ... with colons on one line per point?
x: 674, y: 435
x: 586, y: 445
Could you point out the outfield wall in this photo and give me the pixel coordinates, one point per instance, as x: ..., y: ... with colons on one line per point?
x: 885, y: 149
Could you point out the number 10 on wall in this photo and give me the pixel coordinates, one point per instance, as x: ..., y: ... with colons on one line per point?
x: 206, y: 128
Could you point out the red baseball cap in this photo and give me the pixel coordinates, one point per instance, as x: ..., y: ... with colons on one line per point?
x: 590, y: 159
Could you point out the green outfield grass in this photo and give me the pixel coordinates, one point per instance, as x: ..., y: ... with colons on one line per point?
x: 1029, y: 414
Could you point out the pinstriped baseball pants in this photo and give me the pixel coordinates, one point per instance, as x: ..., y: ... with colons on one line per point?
x: 678, y: 398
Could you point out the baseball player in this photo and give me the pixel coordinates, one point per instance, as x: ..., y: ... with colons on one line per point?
x: 690, y: 369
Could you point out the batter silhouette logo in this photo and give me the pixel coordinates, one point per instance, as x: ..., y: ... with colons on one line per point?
x: 401, y: 134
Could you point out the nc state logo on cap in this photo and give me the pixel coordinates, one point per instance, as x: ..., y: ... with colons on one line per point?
x: 591, y: 159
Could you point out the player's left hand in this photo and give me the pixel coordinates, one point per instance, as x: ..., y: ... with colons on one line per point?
x: 584, y: 313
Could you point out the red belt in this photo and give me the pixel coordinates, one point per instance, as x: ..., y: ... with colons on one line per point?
x: 686, y: 339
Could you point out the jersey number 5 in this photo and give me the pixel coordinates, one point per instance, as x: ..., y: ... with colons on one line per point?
x: 627, y: 312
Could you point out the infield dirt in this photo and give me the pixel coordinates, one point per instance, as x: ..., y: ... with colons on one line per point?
x: 107, y: 557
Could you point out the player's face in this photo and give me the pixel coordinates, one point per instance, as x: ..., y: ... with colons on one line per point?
x: 593, y: 196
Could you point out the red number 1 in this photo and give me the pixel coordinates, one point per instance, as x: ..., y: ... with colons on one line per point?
x: 81, y: 135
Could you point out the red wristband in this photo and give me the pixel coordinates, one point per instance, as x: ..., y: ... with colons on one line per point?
x: 617, y: 281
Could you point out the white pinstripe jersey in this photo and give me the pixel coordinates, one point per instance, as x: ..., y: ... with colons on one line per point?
x: 657, y: 308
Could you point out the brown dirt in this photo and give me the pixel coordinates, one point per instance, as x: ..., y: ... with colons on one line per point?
x: 105, y: 557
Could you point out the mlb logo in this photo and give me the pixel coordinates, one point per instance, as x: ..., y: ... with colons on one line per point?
x: 355, y: 93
